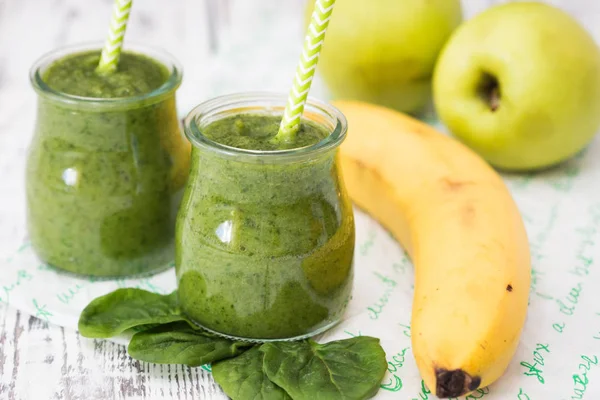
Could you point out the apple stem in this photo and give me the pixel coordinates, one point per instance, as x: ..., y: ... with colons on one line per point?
x: 494, y: 99
x: 489, y: 91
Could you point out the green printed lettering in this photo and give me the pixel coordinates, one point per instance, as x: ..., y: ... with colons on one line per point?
x: 584, y: 260
x: 589, y: 361
x: 352, y: 334
x: 577, y: 380
x: 597, y: 335
x: 565, y: 182
x: 67, y: 296
x: 402, y: 265
x: 24, y: 246
x: 533, y: 370
x: 144, y: 284
x: 6, y: 296
x: 397, y: 361
x: 121, y: 283
x: 521, y: 183
x: 385, y: 279
x: 41, y: 311
x: 583, y: 269
x: 406, y: 331
x: 364, y: 248
x: 151, y: 287
x: 478, y: 394
x: 558, y: 327
x: 376, y: 309
x: 522, y: 395
x: 567, y: 307
x: 538, y: 358
x: 424, y: 393
x: 581, y: 380
x: 535, y: 276
x: 394, y: 385
x: 538, y: 362
x: 544, y: 296
x: 563, y: 308
x: 206, y: 367
x: 397, y: 267
x: 22, y: 276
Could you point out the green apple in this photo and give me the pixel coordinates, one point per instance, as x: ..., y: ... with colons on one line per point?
x: 384, y: 51
x: 520, y: 84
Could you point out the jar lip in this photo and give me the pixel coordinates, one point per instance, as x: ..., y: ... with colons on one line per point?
x: 169, y: 86
x: 264, y: 101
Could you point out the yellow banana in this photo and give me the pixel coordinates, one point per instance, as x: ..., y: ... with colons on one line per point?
x: 459, y: 224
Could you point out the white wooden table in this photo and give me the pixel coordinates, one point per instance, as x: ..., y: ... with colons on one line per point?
x: 40, y: 361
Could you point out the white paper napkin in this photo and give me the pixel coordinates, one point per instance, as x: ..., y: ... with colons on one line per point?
x: 559, y: 353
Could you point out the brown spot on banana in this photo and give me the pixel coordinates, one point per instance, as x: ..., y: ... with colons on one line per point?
x: 454, y: 383
x: 509, y: 288
x: 452, y: 185
x: 365, y: 169
x: 468, y: 214
x: 419, y: 130
x: 359, y: 164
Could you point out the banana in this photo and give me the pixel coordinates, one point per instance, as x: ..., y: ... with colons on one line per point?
x: 457, y: 221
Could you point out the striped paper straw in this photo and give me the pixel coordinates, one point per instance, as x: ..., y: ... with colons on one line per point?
x: 305, y: 70
x: 112, y: 48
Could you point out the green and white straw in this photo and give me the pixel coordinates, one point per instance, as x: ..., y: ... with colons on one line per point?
x: 305, y: 70
x: 109, y: 59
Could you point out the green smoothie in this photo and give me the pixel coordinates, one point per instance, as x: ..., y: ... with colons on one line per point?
x: 264, y: 247
x: 76, y: 75
x: 255, y: 132
x: 104, y: 181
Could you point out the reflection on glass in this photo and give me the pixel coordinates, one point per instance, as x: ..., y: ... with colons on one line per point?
x: 224, y: 231
x: 69, y: 177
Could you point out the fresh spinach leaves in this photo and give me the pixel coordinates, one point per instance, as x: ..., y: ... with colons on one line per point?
x: 128, y: 308
x: 179, y: 343
x: 242, y: 378
x: 350, y: 369
x: 343, y: 369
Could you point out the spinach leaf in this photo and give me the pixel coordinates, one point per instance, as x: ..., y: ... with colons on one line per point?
x: 242, y: 378
x: 124, y: 309
x: 344, y: 369
x: 179, y: 343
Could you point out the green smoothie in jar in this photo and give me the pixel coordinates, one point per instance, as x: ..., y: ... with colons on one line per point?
x: 265, y: 233
x: 107, y: 163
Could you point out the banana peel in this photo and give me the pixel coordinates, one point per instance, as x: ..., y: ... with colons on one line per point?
x: 460, y: 226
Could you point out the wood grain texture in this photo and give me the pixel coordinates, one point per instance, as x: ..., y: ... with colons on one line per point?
x: 41, y: 361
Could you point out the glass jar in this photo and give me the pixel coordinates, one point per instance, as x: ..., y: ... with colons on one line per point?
x: 105, y: 175
x: 264, y: 239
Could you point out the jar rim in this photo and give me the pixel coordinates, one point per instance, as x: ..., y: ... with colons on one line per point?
x: 171, y: 84
x: 250, y: 102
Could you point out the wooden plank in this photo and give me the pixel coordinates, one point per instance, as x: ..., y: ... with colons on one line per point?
x: 42, y: 361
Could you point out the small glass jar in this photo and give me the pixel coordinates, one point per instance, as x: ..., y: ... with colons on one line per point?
x: 105, y: 175
x: 264, y: 239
